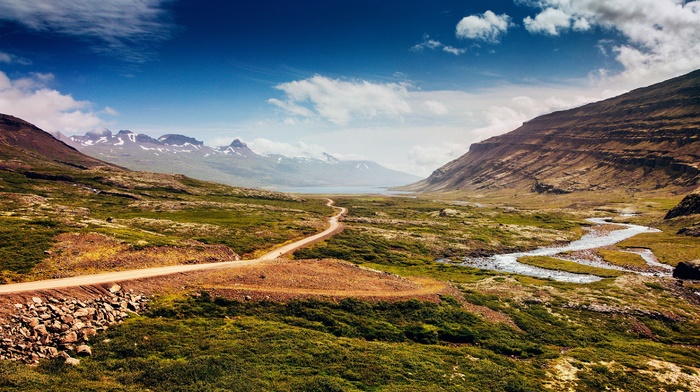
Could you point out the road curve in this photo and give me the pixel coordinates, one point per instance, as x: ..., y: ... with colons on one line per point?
x: 118, y: 276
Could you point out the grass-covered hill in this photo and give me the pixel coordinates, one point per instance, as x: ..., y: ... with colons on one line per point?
x: 68, y: 214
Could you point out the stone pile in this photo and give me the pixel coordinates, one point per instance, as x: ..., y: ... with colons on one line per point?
x: 50, y: 327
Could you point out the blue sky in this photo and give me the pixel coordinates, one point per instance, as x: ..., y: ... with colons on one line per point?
x: 409, y: 84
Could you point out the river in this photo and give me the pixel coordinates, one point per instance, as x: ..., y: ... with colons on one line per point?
x: 509, y: 262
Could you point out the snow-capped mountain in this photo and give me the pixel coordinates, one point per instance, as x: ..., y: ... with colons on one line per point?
x: 235, y: 164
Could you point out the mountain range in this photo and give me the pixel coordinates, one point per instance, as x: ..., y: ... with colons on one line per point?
x: 646, y: 139
x: 235, y: 164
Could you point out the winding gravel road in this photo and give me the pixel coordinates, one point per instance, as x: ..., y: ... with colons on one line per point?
x: 108, y: 277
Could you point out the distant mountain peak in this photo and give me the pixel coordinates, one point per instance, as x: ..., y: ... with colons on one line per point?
x: 237, y: 143
x: 99, y: 133
x: 179, y: 140
x: 328, y: 158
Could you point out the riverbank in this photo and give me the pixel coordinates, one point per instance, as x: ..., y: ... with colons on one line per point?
x: 592, y: 240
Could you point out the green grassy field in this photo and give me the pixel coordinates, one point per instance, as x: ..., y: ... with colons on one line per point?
x: 499, y: 332
x: 187, y: 344
x: 144, y: 210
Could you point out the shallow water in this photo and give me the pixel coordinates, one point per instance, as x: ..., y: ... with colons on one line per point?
x: 509, y: 262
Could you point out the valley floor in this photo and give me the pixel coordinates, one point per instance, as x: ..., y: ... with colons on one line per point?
x: 369, y: 308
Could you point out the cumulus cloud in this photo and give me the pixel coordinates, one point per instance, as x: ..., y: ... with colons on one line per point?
x: 32, y: 100
x: 550, y: 21
x: 340, y: 101
x: 661, y: 37
x: 485, y: 27
x: 126, y: 28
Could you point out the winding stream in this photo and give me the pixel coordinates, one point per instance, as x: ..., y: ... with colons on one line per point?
x: 509, y: 262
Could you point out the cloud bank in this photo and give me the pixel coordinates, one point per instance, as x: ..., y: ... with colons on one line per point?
x: 123, y: 28
x: 30, y: 99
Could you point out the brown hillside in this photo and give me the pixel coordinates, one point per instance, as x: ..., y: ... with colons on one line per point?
x: 646, y: 139
x: 24, y: 145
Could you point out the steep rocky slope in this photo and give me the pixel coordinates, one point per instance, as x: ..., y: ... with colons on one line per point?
x: 23, y: 145
x: 646, y: 139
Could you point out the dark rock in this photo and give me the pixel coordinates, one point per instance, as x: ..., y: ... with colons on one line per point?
x: 687, y: 270
x: 541, y: 187
x: 688, y: 206
x: 693, y: 231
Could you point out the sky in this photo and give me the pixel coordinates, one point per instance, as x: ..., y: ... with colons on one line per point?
x: 408, y: 84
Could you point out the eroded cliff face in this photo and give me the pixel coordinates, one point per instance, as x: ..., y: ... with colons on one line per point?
x: 646, y: 139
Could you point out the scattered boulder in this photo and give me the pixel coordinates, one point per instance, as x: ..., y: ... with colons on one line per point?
x: 448, y: 212
x: 688, y: 206
x: 72, y: 361
x: 84, y: 350
x: 687, y: 270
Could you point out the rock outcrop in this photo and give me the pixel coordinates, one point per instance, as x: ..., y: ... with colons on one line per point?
x: 646, y: 139
x: 50, y: 327
x: 687, y: 270
x: 688, y: 206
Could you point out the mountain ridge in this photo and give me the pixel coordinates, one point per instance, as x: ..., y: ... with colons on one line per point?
x: 235, y: 164
x: 646, y: 139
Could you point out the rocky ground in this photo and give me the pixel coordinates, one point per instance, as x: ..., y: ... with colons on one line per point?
x: 49, y: 327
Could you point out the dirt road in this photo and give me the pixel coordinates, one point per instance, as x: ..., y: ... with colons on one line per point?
x: 86, y: 280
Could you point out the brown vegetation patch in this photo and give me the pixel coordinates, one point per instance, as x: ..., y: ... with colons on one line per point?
x: 87, y: 253
x: 283, y: 280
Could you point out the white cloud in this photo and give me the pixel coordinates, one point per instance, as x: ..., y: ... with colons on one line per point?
x: 427, y: 44
x: 432, y: 44
x: 661, y: 37
x: 434, y: 156
x: 341, y: 101
x: 435, y: 107
x: 118, y: 27
x: 550, y: 21
x: 264, y: 146
x: 109, y: 111
x: 9, y: 58
x: 453, y: 50
x: 485, y: 27
x: 31, y: 100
